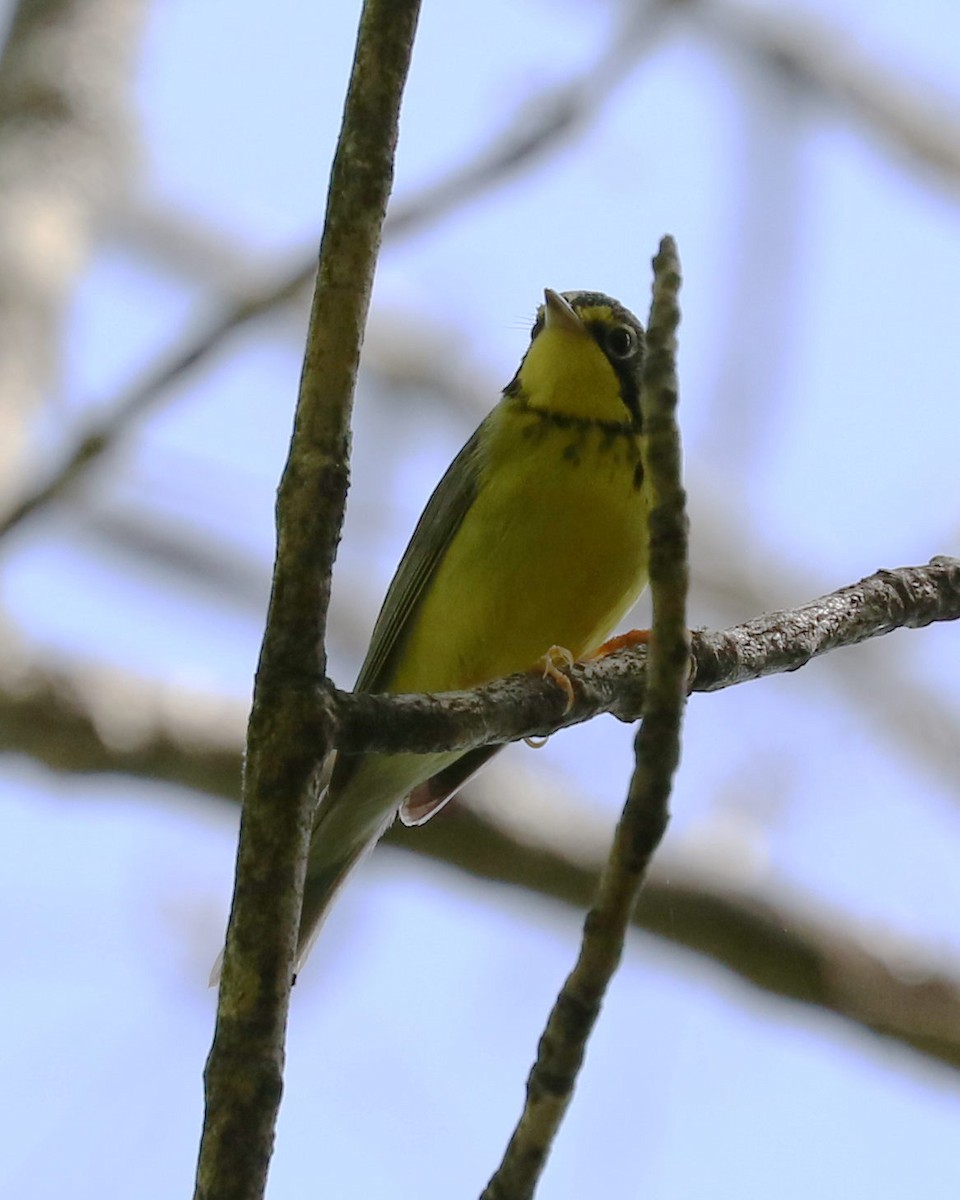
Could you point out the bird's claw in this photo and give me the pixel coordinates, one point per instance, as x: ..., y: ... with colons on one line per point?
x: 556, y: 662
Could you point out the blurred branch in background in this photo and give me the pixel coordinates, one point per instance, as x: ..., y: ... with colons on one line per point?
x: 763, y: 256
x: 543, y: 124
x: 65, y: 76
x: 809, y: 53
x: 64, y: 155
x: 82, y: 719
x: 912, y: 117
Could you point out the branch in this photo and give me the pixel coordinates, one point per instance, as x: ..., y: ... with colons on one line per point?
x: 65, y: 71
x: 914, y: 118
x: 527, y: 705
x: 787, y: 947
x: 103, y: 433
x: 97, y: 720
x: 92, y: 719
x: 287, y: 739
x: 643, y: 823
x: 540, y: 126
x: 51, y: 712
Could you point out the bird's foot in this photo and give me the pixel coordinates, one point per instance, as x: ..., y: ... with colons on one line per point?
x: 556, y: 662
x: 623, y: 641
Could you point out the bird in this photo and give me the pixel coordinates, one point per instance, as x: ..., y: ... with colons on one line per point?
x: 533, y: 544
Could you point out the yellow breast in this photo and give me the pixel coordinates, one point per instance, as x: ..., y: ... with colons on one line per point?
x: 552, y: 552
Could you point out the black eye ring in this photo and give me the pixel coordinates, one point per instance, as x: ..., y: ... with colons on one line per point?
x: 621, y: 341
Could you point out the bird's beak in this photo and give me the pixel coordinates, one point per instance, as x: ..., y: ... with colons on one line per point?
x: 557, y: 314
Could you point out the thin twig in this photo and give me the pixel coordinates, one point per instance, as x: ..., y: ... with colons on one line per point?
x: 286, y: 740
x: 644, y: 819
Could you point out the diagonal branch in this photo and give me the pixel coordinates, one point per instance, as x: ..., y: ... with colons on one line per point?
x: 784, y: 945
x: 52, y: 712
x: 59, y: 716
x: 913, y: 117
x: 142, y: 395
x: 540, y: 127
x: 736, y: 574
x: 528, y: 705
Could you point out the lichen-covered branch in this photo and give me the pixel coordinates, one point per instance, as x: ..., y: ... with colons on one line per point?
x: 527, y: 705
x: 63, y: 714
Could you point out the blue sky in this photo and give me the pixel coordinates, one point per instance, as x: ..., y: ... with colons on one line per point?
x: 821, y: 426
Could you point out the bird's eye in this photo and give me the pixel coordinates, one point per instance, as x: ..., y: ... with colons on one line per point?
x: 621, y: 341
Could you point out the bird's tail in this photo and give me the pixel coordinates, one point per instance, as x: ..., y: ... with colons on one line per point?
x: 336, y: 848
x: 342, y: 835
x: 321, y: 887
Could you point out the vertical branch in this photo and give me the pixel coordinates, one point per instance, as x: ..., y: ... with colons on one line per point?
x: 65, y: 141
x: 287, y: 737
x: 643, y: 821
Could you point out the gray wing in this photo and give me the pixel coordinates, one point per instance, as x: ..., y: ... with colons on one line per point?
x: 443, y: 516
